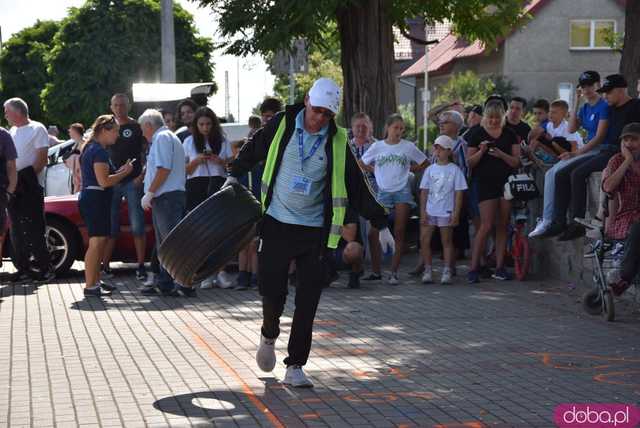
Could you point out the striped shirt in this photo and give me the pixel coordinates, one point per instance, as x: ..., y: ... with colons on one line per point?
x: 288, y: 206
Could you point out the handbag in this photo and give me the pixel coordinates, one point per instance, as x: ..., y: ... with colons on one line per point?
x: 521, y: 186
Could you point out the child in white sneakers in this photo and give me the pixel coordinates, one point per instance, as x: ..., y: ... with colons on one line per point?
x: 443, y: 184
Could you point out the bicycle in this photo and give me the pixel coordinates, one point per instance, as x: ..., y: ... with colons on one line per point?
x: 518, y: 245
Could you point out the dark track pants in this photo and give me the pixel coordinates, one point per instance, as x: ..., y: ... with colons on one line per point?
x: 26, y: 212
x: 281, y: 243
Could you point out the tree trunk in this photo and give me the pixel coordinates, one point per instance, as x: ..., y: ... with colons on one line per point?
x: 630, y: 62
x: 366, y: 39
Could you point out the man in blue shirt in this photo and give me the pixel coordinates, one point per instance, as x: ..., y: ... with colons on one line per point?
x: 571, y: 182
x: 593, y: 117
x: 164, y: 189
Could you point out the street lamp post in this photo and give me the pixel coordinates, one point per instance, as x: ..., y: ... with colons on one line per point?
x: 168, y: 42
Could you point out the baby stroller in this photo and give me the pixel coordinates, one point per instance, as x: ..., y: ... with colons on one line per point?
x: 606, y: 257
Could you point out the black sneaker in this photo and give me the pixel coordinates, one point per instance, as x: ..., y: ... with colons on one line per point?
x: 485, y: 272
x: 354, y: 280
x: 96, y: 292
x: 141, y: 273
x: 43, y: 278
x: 148, y: 290
x: 185, y: 291
x: 554, y: 229
x: 19, y: 278
x: 107, y: 287
x: 372, y: 277
x: 574, y: 231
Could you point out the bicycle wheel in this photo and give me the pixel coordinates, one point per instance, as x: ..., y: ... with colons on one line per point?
x: 592, y: 302
x: 521, y: 254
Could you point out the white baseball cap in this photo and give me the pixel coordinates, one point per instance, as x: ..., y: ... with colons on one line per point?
x: 325, y: 93
x: 444, y: 141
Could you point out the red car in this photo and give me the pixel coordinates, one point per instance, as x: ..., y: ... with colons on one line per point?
x: 67, y: 238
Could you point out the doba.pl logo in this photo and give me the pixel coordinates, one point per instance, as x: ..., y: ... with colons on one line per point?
x: 600, y: 415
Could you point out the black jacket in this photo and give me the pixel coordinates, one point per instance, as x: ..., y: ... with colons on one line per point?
x: 360, y: 198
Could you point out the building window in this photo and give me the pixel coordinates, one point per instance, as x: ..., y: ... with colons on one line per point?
x: 565, y: 92
x: 591, y: 34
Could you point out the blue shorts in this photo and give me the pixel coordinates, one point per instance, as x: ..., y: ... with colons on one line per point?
x: 94, y: 209
x: 133, y: 195
x: 390, y: 199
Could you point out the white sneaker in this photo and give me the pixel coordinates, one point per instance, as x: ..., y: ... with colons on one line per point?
x: 151, y: 280
x: 427, y: 277
x: 208, y: 283
x: 295, y: 377
x: 446, y: 276
x: 225, y: 280
x: 393, y: 279
x: 266, y: 355
x: 540, y: 228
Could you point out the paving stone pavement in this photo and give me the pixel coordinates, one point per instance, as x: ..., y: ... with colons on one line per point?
x: 490, y: 355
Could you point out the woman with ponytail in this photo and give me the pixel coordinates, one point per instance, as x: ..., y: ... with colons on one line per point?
x: 98, y: 176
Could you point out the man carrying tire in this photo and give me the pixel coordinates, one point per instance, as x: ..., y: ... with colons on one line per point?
x: 310, y: 175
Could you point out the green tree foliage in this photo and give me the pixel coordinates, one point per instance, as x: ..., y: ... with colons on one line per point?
x: 23, y: 65
x: 469, y: 88
x: 106, y: 45
x: 365, y: 33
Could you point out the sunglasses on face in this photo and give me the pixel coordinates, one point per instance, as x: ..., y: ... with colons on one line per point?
x: 324, y: 112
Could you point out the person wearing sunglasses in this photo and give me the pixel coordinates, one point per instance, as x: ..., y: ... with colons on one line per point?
x: 310, y: 177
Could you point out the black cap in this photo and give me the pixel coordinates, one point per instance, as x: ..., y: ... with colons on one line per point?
x: 630, y: 129
x: 476, y: 108
x: 588, y: 78
x: 496, y: 98
x: 613, y: 81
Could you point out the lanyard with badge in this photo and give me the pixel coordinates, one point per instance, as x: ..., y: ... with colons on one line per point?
x: 302, y: 184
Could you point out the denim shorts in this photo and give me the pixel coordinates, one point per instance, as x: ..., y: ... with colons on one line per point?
x: 133, y: 195
x: 390, y: 199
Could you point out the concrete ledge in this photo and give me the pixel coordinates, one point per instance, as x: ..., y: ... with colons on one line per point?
x: 565, y: 260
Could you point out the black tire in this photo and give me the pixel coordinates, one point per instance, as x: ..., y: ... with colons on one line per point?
x: 62, y: 243
x: 609, y: 312
x: 592, y: 302
x: 210, y: 235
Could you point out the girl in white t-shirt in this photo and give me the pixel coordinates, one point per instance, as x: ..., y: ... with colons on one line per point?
x: 393, y: 159
x: 207, y: 152
x: 443, y: 184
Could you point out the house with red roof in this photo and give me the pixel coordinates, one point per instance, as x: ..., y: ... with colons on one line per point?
x: 542, y: 57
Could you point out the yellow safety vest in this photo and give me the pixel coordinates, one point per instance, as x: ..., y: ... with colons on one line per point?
x: 338, y: 188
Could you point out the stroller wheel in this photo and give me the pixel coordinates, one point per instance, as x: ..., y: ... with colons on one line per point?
x: 609, y: 308
x: 592, y: 302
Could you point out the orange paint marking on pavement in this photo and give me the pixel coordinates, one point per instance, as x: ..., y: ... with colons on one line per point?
x: 245, y: 388
x: 326, y: 322
x: 548, y: 356
x: 325, y: 334
x: 363, y: 374
x: 604, y: 377
x: 462, y: 425
x: 397, y: 373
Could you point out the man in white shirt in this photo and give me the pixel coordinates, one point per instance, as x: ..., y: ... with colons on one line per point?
x: 26, y: 208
